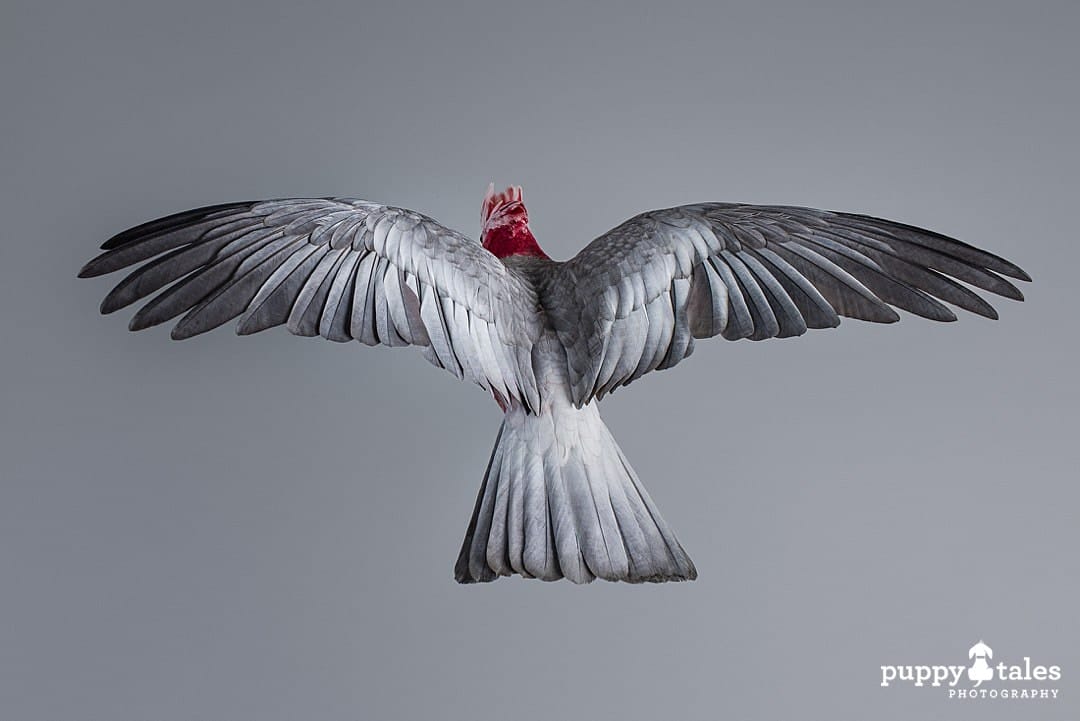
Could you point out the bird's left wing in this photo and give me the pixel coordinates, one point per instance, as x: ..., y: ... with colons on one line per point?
x: 336, y: 267
x: 634, y: 299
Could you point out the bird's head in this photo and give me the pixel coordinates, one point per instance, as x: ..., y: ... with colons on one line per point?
x: 504, y: 224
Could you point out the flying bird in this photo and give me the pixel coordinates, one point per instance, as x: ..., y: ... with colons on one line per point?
x: 547, y: 339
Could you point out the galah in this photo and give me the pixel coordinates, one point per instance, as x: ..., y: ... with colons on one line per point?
x: 547, y: 339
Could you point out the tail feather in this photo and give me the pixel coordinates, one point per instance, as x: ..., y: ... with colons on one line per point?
x: 472, y: 562
x: 631, y: 526
x: 611, y: 548
x: 666, y: 551
x: 540, y: 558
x: 559, y: 500
x: 566, y: 539
x: 498, y: 545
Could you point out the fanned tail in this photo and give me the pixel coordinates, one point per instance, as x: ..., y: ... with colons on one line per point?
x: 560, y: 500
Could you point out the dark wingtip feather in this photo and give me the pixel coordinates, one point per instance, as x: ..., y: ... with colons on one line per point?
x: 1007, y: 290
x: 929, y: 308
x: 1006, y: 267
x: 1011, y: 269
x: 950, y: 245
x: 180, y: 333
x: 249, y: 325
x: 877, y: 312
x: 95, y: 267
x: 109, y: 305
x: 140, y: 321
x: 169, y: 222
x: 119, y: 297
x: 186, y: 328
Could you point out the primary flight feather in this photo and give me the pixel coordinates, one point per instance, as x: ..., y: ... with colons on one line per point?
x: 547, y: 339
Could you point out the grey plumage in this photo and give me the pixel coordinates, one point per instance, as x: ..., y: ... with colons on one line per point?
x: 546, y: 339
x: 756, y: 272
x: 333, y: 267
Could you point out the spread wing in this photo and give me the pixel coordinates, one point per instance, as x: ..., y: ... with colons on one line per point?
x: 635, y: 298
x: 340, y: 268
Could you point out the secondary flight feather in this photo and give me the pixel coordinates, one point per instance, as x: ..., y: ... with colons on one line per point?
x: 547, y: 339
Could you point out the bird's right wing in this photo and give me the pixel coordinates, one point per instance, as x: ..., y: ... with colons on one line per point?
x: 635, y: 298
x: 336, y: 267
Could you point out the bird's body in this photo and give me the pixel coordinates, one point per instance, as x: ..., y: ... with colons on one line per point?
x: 559, y: 499
x: 546, y: 339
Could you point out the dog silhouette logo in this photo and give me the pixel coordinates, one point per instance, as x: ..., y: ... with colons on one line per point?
x: 980, y: 671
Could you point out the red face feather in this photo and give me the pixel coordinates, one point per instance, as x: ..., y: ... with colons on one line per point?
x: 505, y: 224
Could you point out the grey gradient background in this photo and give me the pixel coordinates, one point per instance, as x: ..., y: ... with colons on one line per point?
x: 264, y: 528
